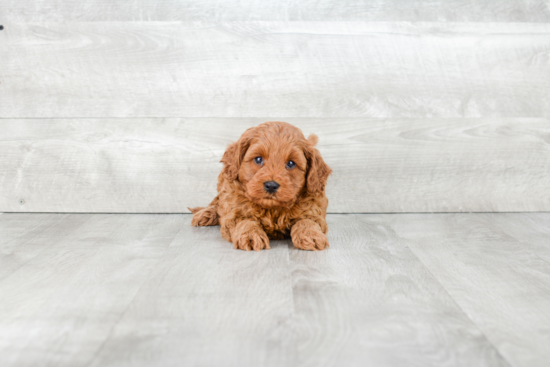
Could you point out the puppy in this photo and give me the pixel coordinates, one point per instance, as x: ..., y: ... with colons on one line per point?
x: 272, y: 185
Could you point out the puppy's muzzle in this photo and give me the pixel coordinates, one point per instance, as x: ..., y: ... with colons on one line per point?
x: 271, y: 186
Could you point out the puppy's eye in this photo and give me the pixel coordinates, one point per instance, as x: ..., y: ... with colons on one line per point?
x: 290, y: 165
x: 258, y: 160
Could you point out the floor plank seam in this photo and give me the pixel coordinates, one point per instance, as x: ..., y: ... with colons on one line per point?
x: 96, y: 354
x: 150, y: 289
x: 45, y: 248
x: 460, y: 308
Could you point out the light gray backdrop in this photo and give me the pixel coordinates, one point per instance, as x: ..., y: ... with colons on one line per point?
x: 420, y: 106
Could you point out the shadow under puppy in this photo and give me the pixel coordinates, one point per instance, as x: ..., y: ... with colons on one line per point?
x: 272, y: 185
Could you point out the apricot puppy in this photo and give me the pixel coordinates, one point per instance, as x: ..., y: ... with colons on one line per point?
x: 272, y: 185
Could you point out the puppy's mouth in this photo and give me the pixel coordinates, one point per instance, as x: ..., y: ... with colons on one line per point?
x: 259, y: 195
x: 270, y: 201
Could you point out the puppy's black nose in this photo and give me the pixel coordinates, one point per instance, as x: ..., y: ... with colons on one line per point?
x: 271, y: 186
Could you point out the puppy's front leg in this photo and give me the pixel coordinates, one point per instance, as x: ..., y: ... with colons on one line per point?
x: 306, y: 234
x: 249, y: 235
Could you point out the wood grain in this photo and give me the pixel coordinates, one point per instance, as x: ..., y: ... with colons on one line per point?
x: 19, y: 228
x: 538, y: 236
x: 501, y: 282
x: 213, y: 10
x: 380, y: 165
x: 208, y: 304
x: 132, y: 290
x: 58, y: 308
x: 36, y: 230
x: 368, y: 301
x: 286, y: 69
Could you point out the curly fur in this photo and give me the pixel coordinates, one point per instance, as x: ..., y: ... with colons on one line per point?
x: 248, y: 215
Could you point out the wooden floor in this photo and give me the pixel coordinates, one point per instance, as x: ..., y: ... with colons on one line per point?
x: 392, y: 290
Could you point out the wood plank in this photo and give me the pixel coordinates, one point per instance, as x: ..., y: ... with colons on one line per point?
x: 206, y: 304
x: 59, y: 308
x: 39, y: 231
x: 533, y: 230
x: 380, y: 165
x: 368, y: 301
x: 292, y: 69
x: 25, y: 225
x: 500, y: 282
x: 149, y: 289
x: 213, y: 10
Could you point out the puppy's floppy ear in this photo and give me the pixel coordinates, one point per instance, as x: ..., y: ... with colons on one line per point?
x: 318, y: 171
x: 233, y: 156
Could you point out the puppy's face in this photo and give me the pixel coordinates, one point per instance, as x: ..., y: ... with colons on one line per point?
x: 273, y: 172
x: 275, y: 164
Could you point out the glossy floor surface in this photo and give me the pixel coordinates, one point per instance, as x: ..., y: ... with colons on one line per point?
x: 392, y: 290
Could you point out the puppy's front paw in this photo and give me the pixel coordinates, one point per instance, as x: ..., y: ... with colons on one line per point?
x: 254, y: 239
x: 204, y: 216
x: 312, y: 241
x: 307, y: 235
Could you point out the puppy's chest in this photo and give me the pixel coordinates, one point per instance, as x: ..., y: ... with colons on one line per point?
x: 276, y: 224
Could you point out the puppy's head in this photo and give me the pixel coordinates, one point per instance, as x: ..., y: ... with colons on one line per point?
x: 275, y: 163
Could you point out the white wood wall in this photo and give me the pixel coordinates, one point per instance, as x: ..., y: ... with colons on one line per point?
x: 420, y: 106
